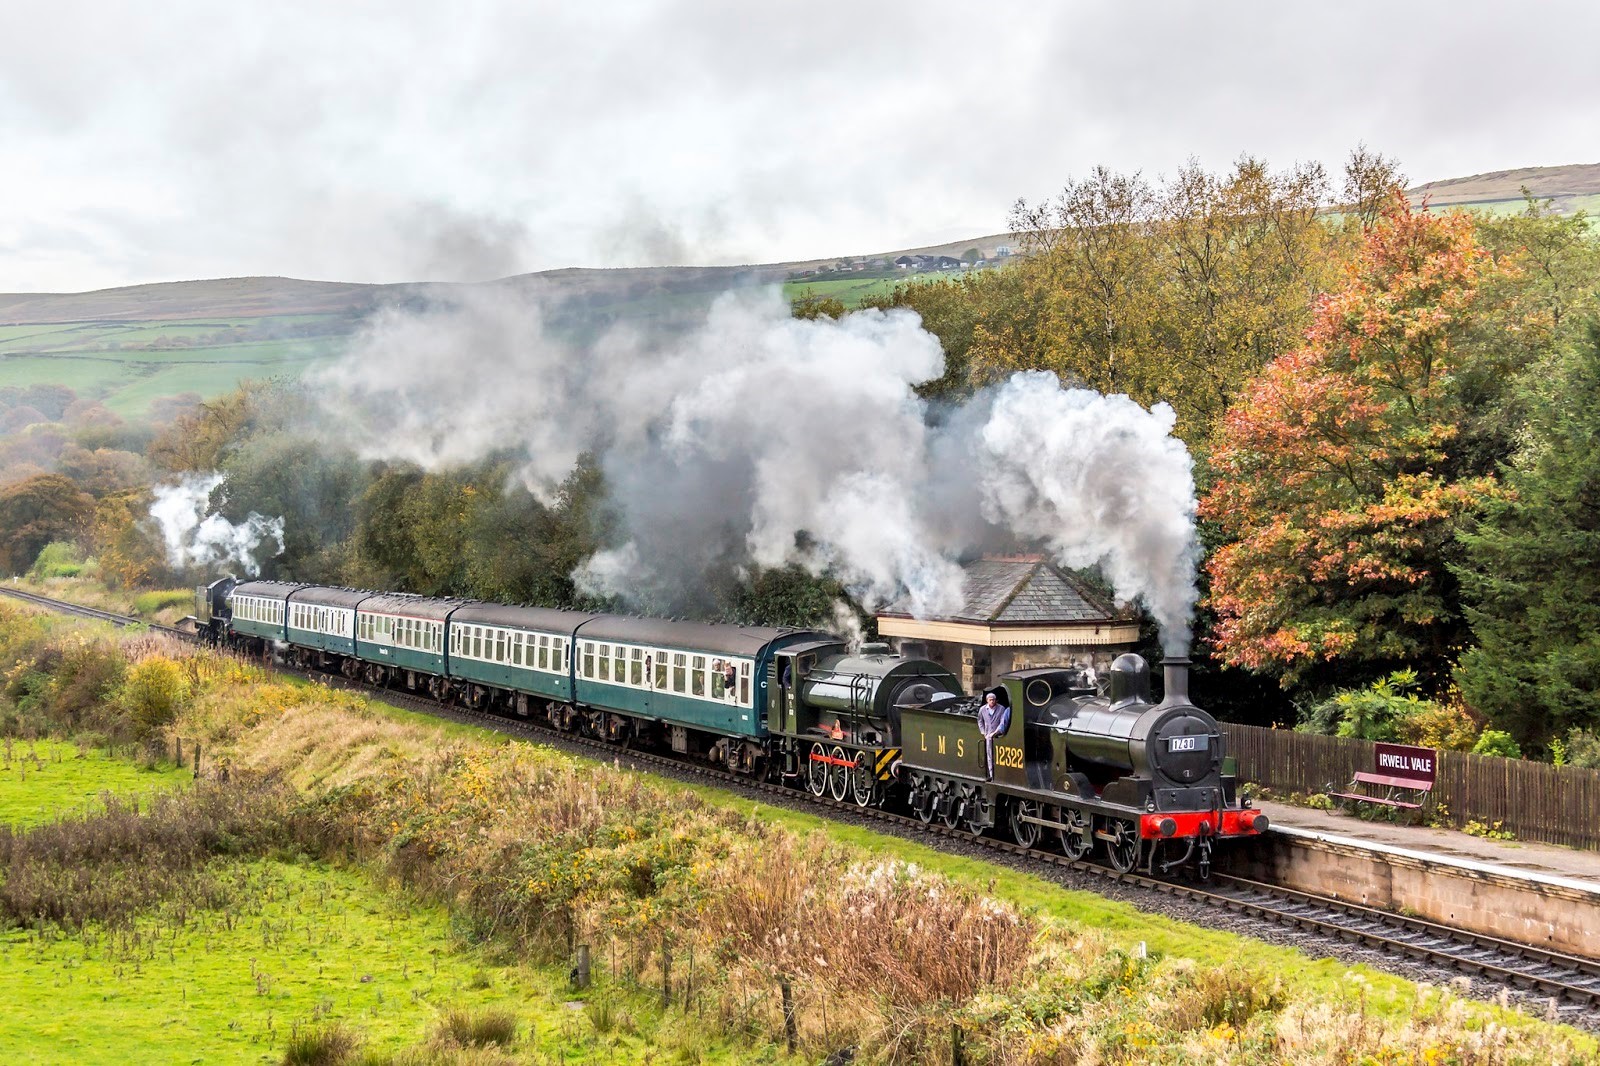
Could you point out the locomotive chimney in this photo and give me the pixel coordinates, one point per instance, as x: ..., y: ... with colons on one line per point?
x: 1175, y: 674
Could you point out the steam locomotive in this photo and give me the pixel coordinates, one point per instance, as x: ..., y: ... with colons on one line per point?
x: 1051, y: 758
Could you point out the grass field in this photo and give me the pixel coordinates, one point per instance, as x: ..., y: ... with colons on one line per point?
x: 40, y: 780
x: 311, y: 945
x: 850, y: 291
x: 129, y: 365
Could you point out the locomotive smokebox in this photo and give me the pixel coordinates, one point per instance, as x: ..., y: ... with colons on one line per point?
x: 1175, y: 674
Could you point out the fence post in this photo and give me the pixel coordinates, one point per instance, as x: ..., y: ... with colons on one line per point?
x: 666, y: 975
x: 958, y: 1055
x: 789, y: 1033
x: 197, y: 760
x: 582, y: 969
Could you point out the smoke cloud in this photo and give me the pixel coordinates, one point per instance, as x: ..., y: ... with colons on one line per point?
x: 196, y: 539
x: 752, y: 437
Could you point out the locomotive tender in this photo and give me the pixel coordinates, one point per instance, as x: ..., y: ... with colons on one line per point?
x: 1061, y: 762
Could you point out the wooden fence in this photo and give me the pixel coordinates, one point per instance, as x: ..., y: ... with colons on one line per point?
x: 1531, y: 800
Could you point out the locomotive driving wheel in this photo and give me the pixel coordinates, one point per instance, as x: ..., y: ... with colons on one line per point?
x: 839, y: 778
x: 1075, y: 839
x: 863, y: 782
x: 817, y: 770
x: 1024, y: 832
x: 1122, y: 845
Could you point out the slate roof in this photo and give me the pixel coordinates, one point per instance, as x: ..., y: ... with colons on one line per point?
x: 1022, y: 590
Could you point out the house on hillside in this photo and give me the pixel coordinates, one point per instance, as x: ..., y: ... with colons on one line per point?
x: 904, y: 262
x: 1018, y: 611
x: 945, y: 262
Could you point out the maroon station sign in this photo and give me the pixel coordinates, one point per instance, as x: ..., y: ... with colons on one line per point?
x: 1403, y: 760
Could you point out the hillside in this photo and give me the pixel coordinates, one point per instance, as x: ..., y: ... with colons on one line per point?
x: 1572, y: 187
x: 129, y: 347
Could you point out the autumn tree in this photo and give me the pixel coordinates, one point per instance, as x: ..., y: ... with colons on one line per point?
x: 37, y: 511
x: 1179, y: 291
x: 1337, y: 492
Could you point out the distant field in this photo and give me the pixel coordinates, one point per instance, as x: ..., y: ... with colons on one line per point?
x: 129, y: 365
x: 850, y: 291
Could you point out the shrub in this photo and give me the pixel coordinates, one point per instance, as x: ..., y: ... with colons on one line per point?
x: 478, y: 1028
x: 1497, y: 742
x: 57, y: 559
x: 153, y: 693
x: 322, y: 1045
x: 1583, y: 749
x: 147, y: 604
x: 1446, y: 726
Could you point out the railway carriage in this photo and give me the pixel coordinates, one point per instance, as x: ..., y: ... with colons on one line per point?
x: 524, y: 651
x: 321, y: 626
x: 401, y: 637
x: 703, y: 684
x: 259, y: 610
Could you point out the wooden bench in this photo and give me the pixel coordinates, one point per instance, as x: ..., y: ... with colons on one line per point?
x: 1394, y: 788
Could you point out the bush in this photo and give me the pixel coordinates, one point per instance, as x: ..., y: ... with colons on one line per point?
x: 57, y: 559
x: 153, y: 693
x: 147, y: 604
x: 323, y: 1045
x: 1583, y: 749
x: 1446, y: 726
x: 1497, y: 742
x: 478, y: 1028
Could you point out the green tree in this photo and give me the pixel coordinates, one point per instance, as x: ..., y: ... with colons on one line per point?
x: 1531, y: 571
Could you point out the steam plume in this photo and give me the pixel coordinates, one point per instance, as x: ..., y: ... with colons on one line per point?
x: 196, y: 539
x: 755, y: 437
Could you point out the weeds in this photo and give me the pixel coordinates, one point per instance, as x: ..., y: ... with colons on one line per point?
x: 321, y: 1045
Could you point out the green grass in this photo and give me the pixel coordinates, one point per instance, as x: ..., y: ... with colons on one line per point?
x: 850, y: 291
x: 42, y: 779
x: 127, y: 366
x: 311, y: 944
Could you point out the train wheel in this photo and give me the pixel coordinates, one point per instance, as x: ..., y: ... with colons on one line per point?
x: 817, y: 771
x: 863, y: 782
x: 1025, y: 833
x: 839, y: 777
x: 1122, y: 850
x: 1075, y: 839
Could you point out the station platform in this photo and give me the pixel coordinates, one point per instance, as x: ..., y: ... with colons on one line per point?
x: 1510, y: 858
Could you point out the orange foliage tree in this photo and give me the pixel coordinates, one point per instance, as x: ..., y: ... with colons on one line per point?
x: 1336, y: 492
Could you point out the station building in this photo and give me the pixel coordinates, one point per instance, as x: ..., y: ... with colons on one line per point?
x: 1018, y: 611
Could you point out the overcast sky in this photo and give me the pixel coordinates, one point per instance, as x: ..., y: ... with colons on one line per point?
x: 400, y: 140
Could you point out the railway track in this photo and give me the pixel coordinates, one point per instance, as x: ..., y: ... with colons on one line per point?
x: 1527, y: 969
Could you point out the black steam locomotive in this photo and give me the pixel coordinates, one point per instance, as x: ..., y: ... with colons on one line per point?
x: 1049, y: 756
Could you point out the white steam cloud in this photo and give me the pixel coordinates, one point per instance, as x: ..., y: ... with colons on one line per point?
x: 752, y: 436
x: 195, y: 538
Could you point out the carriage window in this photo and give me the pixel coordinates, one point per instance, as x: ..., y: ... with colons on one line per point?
x: 660, y: 671
x: 744, y: 684
x: 637, y: 674
x: 500, y: 646
x: 558, y: 653
x: 697, y: 678
x: 544, y: 653
x: 516, y: 649
x: 588, y: 660
x: 680, y: 673
x: 605, y: 662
